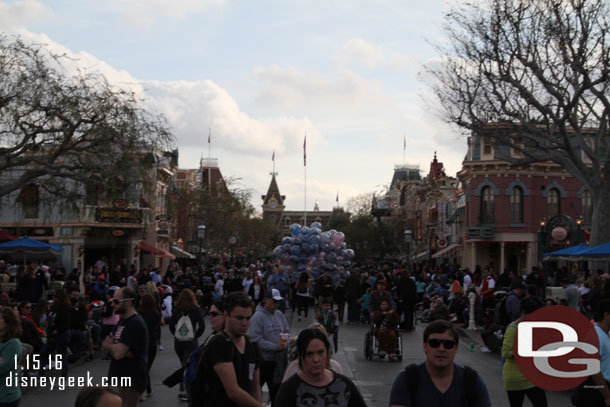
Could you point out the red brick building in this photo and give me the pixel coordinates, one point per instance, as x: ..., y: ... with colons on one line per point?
x: 506, y: 205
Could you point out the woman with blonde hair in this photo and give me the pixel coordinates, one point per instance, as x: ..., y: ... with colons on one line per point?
x: 187, y: 325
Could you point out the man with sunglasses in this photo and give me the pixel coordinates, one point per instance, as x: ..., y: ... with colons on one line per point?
x: 128, y: 346
x: 438, y: 381
x: 268, y: 322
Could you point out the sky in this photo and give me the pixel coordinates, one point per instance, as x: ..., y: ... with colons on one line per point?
x: 259, y: 75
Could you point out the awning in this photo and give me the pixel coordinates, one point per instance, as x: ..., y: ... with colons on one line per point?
x: 445, y: 252
x: 5, y: 237
x: 181, y: 254
x: 167, y: 255
x: 421, y: 255
x: 148, y: 249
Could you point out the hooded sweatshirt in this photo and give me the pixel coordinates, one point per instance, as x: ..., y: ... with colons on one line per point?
x: 265, y: 329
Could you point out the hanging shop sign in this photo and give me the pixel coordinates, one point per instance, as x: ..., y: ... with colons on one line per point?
x: 118, y: 215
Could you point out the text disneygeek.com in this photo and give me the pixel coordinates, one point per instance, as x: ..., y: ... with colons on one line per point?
x: 61, y: 383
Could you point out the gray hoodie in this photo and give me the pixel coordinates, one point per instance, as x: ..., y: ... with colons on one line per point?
x: 265, y: 329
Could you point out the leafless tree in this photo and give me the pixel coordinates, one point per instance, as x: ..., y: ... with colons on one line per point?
x: 533, y: 76
x: 62, y: 131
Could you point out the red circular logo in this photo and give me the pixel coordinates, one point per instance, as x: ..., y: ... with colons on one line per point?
x: 556, y: 348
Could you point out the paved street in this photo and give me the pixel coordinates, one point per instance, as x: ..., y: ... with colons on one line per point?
x: 374, y: 378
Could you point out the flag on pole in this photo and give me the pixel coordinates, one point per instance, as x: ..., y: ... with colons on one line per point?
x: 337, y: 197
x: 305, y: 151
x: 273, y: 156
x: 404, y: 142
x: 210, y: 136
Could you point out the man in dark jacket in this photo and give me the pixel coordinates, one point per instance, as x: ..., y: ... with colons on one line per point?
x: 512, y: 300
x: 353, y: 292
x: 407, y: 294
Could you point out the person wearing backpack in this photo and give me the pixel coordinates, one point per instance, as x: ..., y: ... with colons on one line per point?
x: 439, y: 381
x: 512, y: 309
x: 187, y: 325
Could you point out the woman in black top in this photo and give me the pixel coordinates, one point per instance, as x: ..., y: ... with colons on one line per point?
x: 58, y: 329
x: 149, y: 311
x: 315, y: 384
x: 186, y: 306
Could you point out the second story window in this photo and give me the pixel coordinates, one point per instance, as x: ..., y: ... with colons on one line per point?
x: 30, y: 201
x: 554, y: 202
x: 516, y: 205
x: 487, y: 206
x: 587, y: 206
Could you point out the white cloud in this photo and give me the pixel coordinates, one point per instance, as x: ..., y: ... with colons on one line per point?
x: 291, y: 88
x: 194, y: 107
x: 360, y: 52
x: 144, y: 13
x: 19, y: 13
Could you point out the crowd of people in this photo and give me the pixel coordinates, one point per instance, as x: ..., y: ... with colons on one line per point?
x: 119, y: 312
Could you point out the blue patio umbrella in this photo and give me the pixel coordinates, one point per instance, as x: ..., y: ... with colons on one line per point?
x: 601, y: 252
x: 569, y: 253
x: 29, y: 246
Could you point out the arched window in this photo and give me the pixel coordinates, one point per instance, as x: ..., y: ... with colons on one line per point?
x: 554, y: 202
x: 287, y: 221
x: 30, y: 201
x: 116, y: 189
x: 487, y: 205
x: 516, y: 205
x: 93, y: 191
x: 587, y: 206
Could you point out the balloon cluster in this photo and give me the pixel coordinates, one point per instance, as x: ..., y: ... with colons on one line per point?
x: 309, y: 246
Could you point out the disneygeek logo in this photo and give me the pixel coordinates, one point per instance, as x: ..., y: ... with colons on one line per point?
x: 557, y: 348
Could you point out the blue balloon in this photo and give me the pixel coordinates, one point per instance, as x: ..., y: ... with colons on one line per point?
x: 314, y: 248
x: 305, y: 246
x: 287, y: 239
x: 324, y: 237
x: 303, y: 259
x: 316, y: 225
x: 315, y: 231
x: 286, y: 247
x: 295, y: 228
x: 314, y: 239
x: 297, y: 241
x: 304, y: 230
x: 324, y: 247
x: 295, y: 250
x: 294, y: 259
x: 277, y: 252
x: 306, y: 239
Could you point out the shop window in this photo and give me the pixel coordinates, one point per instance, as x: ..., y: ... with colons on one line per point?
x: 516, y: 205
x: 30, y: 201
x: 554, y: 202
x: 487, y: 206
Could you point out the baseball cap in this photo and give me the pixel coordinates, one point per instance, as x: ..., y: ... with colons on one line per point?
x: 275, y: 294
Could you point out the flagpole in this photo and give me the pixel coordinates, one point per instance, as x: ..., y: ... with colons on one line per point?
x: 404, y: 147
x: 210, y: 160
x: 305, y: 186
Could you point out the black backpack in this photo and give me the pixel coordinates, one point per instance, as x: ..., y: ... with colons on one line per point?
x: 470, y: 381
x: 200, y: 386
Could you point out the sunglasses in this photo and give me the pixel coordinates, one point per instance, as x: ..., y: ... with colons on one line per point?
x: 447, y: 343
x: 117, y: 302
x: 214, y: 314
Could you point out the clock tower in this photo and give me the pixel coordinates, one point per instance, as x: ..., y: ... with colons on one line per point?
x: 273, y: 202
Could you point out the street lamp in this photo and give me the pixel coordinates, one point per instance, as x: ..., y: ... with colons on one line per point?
x: 579, y: 238
x: 201, y: 236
